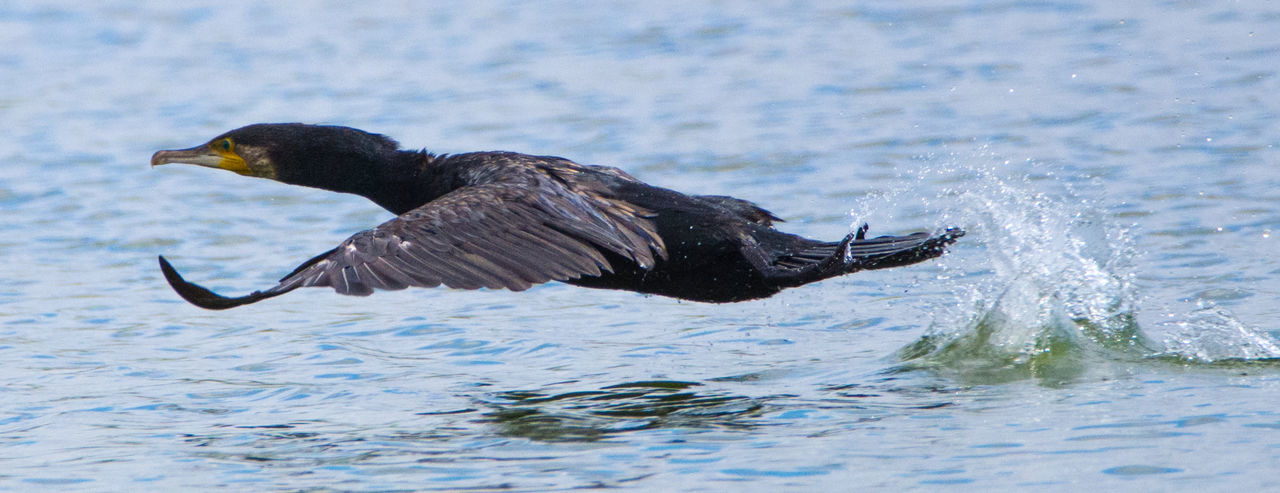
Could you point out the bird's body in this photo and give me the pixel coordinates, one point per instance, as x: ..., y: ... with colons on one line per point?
x: 510, y: 220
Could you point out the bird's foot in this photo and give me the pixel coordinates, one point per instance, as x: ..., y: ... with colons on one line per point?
x: 861, y: 234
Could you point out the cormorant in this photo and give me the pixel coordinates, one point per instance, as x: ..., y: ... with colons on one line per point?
x: 510, y: 220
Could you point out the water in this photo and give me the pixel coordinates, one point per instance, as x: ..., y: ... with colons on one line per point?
x: 1108, y: 321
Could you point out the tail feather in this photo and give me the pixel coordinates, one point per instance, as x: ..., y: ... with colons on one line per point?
x: 812, y: 255
x: 855, y: 252
x: 894, y: 251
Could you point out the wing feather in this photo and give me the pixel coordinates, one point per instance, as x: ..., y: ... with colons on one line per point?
x: 490, y: 236
x: 524, y: 226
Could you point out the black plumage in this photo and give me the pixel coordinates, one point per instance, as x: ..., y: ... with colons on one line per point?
x: 510, y: 220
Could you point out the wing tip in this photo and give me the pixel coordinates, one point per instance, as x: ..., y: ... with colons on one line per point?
x: 202, y: 297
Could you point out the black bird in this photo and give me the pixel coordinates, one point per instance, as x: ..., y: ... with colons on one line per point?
x: 509, y: 220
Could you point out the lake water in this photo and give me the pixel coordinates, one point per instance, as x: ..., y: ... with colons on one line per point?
x: 1109, y: 321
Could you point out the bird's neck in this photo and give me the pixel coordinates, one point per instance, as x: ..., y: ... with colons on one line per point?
x: 403, y: 182
x: 398, y: 182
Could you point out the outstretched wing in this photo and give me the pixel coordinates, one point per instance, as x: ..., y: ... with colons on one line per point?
x: 491, y: 236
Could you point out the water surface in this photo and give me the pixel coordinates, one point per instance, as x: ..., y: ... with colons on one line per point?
x: 1108, y: 322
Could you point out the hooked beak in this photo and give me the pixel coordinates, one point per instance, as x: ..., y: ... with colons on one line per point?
x: 202, y: 155
x: 198, y: 155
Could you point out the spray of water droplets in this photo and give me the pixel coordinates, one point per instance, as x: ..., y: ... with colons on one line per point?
x: 1045, y: 281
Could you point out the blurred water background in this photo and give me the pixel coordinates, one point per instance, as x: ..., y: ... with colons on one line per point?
x: 1109, y: 322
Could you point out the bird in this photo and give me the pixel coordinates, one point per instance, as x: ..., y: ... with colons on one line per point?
x: 499, y: 219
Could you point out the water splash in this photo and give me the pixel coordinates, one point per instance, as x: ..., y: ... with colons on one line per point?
x: 1056, y: 290
x: 1212, y: 335
x: 1052, y: 295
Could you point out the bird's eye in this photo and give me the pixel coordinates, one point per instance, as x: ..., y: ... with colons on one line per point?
x: 225, y: 145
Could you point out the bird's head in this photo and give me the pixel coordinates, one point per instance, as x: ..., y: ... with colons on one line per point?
x: 311, y: 155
